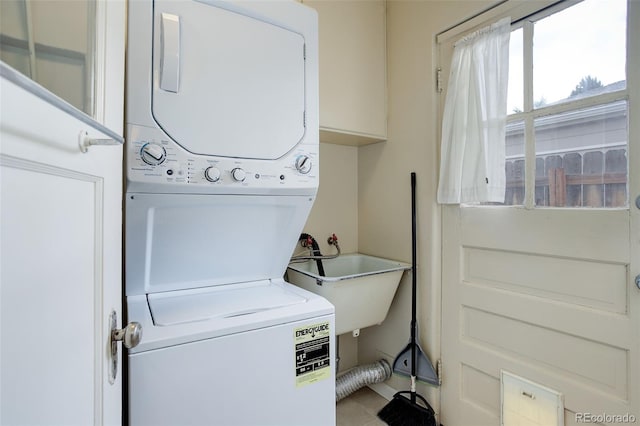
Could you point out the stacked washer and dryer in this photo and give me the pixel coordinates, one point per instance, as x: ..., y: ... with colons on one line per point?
x: 222, y: 171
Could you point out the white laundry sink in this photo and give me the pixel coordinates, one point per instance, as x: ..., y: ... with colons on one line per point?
x: 361, y: 287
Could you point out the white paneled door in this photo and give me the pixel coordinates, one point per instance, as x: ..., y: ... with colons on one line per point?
x: 61, y: 266
x: 549, y: 293
x: 60, y: 247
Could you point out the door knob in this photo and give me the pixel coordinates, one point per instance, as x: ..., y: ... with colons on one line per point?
x: 130, y: 336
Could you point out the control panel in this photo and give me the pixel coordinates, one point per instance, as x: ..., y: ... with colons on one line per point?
x: 156, y: 163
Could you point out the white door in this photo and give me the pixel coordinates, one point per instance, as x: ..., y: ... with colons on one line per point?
x: 549, y: 293
x: 60, y: 242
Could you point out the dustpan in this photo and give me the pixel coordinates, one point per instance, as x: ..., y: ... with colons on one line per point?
x: 424, y: 370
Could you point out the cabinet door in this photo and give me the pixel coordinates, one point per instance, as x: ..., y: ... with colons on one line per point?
x: 353, y: 87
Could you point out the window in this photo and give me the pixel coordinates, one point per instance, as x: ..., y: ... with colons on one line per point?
x: 52, y: 42
x: 567, y: 107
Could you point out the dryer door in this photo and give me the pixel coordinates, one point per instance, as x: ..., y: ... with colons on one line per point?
x: 227, y: 82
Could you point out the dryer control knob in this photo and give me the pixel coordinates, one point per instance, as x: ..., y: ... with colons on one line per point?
x: 212, y: 174
x: 303, y: 164
x: 153, y: 154
x: 238, y: 174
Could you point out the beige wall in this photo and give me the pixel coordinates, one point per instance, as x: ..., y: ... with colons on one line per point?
x: 364, y: 194
x: 384, y: 216
x: 336, y: 207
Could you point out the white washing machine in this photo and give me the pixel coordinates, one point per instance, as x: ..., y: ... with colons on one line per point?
x: 222, y: 171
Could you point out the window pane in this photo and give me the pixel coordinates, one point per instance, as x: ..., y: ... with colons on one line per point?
x: 516, y: 88
x: 581, y: 157
x: 14, y: 28
x: 514, y: 164
x: 58, y: 50
x: 579, y: 52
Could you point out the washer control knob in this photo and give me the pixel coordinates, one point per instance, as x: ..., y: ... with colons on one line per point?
x: 238, y: 174
x: 153, y: 154
x: 303, y: 164
x: 212, y: 174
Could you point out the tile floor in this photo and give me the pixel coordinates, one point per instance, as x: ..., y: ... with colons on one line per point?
x: 360, y: 409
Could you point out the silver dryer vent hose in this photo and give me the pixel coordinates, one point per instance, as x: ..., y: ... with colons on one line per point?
x: 361, y: 376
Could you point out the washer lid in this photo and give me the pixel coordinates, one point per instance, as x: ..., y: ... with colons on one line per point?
x: 226, y: 82
x: 182, y: 241
x: 219, y: 302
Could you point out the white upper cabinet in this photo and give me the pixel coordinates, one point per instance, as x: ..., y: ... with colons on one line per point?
x: 353, y: 76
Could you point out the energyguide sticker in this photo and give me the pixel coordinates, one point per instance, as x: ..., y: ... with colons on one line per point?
x: 312, y: 353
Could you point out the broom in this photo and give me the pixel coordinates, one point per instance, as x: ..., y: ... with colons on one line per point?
x: 403, y: 410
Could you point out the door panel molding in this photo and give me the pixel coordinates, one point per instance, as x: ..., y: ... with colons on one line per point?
x: 35, y: 225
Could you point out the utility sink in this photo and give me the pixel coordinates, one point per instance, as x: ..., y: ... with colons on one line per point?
x: 361, y: 287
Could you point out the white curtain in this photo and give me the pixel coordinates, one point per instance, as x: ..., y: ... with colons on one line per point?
x: 473, y: 125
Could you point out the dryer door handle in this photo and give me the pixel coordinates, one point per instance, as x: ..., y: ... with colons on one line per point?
x: 170, y: 53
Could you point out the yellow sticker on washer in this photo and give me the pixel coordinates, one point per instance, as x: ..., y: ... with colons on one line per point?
x: 312, y: 353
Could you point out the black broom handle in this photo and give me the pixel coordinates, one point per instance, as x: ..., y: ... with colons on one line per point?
x: 413, y: 281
